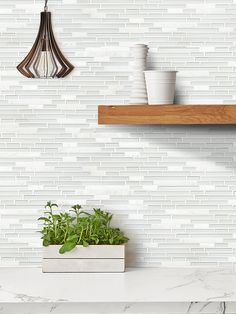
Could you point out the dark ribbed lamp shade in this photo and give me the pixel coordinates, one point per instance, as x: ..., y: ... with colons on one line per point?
x: 45, y: 60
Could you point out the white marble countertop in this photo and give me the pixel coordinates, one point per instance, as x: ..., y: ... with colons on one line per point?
x: 146, y: 285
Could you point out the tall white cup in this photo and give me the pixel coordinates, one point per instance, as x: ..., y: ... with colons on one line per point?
x: 160, y: 87
x: 138, y: 93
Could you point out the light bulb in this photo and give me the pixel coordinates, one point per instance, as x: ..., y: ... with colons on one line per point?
x: 44, y: 66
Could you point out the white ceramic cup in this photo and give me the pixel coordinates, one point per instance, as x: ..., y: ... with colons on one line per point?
x: 160, y: 87
x: 139, y: 51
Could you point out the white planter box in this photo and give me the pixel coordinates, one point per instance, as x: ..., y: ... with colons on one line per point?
x: 94, y: 258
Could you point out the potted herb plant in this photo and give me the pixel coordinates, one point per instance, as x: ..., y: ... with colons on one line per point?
x: 78, y: 241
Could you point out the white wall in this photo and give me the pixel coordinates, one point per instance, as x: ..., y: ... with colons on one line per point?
x: 172, y: 189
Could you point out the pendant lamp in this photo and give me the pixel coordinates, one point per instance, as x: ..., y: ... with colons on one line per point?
x: 45, y: 60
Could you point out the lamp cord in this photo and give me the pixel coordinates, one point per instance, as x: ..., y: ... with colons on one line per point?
x: 46, y: 5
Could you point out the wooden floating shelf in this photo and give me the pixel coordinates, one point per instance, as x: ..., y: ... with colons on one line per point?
x: 167, y: 114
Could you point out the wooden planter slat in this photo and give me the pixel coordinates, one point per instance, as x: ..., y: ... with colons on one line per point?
x: 95, y: 265
x: 95, y: 258
x: 92, y: 251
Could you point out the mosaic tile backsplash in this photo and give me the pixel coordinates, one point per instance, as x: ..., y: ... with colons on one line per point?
x: 172, y: 189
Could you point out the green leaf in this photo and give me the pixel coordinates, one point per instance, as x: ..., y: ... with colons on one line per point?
x: 44, y: 219
x: 76, y: 207
x: 72, y: 238
x: 85, y: 244
x: 55, y: 219
x: 46, y: 242
x: 67, y: 247
x: 49, y: 204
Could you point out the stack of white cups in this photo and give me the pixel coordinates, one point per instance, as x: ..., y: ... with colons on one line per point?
x: 139, y: 93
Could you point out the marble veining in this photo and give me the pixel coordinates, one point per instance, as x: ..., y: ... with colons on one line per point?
x: 116, y: 308
x: 137, y: 285
x: 139, y: 290
x: 207, y: 281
